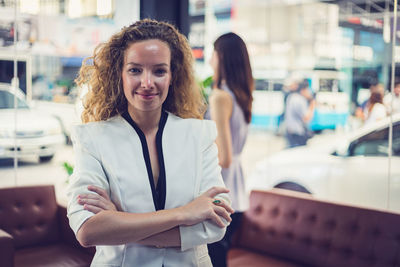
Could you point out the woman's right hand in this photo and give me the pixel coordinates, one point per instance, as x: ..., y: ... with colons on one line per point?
x: 204, y: 208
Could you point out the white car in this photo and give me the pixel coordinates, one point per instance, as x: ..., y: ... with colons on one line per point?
x: 36, y: 134
x: 350, y: 169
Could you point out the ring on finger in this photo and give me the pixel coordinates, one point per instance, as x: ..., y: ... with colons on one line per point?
x: 216, y: 201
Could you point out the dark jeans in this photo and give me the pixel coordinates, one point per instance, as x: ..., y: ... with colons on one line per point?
x: 296, y: 140
x: 219, y: 250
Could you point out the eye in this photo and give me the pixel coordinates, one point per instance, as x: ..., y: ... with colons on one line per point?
x: 160, y: 71
x: 134, y: 70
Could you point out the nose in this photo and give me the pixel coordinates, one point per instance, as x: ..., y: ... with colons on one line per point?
x: 147, y: 79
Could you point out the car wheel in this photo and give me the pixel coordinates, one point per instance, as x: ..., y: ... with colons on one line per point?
x: 292, y: 186
x: 46, y: 158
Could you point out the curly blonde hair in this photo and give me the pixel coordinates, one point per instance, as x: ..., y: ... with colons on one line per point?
x: 106, y: 98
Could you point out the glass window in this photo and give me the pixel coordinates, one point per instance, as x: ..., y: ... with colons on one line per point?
x: 7, y: 101
x: 343, y: 50
x: 396, y: 140
x: 376, y: 143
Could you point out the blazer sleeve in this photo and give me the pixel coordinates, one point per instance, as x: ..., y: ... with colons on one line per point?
x: 87, y: 171
x: 210, y: 175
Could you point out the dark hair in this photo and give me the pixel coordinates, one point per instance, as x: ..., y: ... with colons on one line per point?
x: 104, y: 77
x: 303, y: 85
x: 234, y: 67
x: 376, y: 97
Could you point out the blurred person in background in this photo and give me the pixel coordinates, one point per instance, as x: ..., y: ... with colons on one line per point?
x: 299, y: 111
x: 291, y: 85
x: 147, y: 189
x: 362, y: 110
x: 387, y: 100
x: 230, y: 105
x: 376, y: 110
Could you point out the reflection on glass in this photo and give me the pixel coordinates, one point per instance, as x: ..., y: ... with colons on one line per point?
x: 376, y: 143
x: 343, y: 49
x: 7, y: 101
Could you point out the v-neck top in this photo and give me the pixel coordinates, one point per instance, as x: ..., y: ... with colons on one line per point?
x: 159, y: 191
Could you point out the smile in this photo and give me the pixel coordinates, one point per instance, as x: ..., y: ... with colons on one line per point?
x: 146, y: 95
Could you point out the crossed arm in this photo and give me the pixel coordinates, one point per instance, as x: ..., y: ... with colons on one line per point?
x: 98, y: 222
x: 160, y: 228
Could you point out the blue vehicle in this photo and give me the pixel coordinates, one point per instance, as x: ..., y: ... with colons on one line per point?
x: 332, y: 106
x: 268, y: 104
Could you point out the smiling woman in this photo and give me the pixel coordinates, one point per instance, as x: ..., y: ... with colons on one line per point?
x: 146, y: 75
x: 104, y: 76
x: 147, y: 177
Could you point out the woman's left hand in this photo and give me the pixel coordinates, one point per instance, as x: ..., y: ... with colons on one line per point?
x: 96, y: 202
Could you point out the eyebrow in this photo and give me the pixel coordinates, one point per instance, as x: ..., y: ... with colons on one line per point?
x: 157, y: 65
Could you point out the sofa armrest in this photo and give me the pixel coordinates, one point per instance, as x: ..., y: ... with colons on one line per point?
x: 66, y: 233
x: 6, y: 249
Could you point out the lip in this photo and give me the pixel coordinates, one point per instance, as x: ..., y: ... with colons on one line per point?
x: 147, y: 96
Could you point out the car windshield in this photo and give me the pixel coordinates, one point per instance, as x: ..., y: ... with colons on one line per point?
x: 376, y: 143
x: 7, y: 101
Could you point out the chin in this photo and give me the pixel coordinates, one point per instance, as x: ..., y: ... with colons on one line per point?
x: 148, y: 109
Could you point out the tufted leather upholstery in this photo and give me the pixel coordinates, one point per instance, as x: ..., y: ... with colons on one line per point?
x: 296, y: 230
x: 34, y: 230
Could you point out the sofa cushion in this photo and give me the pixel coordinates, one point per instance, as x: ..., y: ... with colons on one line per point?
x: 29, y: 214
x: 6, y: 249
x: 307, y: 231
x: 59, y: 255
x: 243, y: 257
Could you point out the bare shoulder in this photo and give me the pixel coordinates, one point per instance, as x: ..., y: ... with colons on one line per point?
x: 220, y: 97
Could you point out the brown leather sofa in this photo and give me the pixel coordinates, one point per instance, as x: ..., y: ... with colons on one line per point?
x: 293, y: 229
x: 34, y: 230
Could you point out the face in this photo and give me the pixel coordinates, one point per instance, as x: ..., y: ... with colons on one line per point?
x: 214, y: 64
x: 146, y: 75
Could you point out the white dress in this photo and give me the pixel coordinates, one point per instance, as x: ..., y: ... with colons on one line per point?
x: 233, y: 175
x: 387, y: 100
x: 378, y: 112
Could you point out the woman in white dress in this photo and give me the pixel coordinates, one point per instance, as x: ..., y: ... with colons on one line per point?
x: 376, y: 108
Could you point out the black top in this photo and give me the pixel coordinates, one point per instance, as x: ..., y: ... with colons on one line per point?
x: 159, y: 191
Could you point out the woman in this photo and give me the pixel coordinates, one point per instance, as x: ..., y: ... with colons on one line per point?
x: 375, y: 108
x: 144, y: 146
x: 230, y: 108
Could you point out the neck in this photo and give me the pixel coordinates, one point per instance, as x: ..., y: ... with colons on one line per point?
x: 146, y: 120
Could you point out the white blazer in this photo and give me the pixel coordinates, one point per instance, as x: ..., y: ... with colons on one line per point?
x: 109, y: 154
